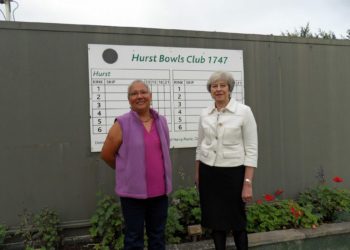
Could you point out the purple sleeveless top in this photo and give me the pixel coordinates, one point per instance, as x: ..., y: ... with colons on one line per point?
x: 130, y: 174
x: 154, y: 163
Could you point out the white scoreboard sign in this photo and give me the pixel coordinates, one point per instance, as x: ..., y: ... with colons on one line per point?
x: 176, y: 76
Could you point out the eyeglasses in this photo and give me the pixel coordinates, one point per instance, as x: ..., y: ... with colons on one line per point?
x: 136, y: 93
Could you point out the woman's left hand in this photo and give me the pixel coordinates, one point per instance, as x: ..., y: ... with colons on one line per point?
x: 247, y: 192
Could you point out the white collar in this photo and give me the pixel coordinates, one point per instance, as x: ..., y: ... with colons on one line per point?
x: 231, y: 106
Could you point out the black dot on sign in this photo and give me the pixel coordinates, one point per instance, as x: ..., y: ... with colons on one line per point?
x: 110, y: 56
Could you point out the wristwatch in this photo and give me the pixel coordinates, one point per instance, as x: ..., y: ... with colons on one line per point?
x: 248, y: 180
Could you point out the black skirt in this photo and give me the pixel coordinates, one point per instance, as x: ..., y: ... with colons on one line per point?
x: 220, y: 192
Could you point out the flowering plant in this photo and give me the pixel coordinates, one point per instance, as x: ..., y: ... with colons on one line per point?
x: 274, y: 213
x: 313, y: 207
x: 270, y: 212
x: 327, y: 202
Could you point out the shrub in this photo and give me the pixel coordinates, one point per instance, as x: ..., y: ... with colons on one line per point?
x: 107, y: 223
x: 314, y: 206
x: 40, y: 230
x: 330, y: 204
x: 173, y: 226
x: 184, y: 207
x: 187, y: 203
x: 278, y: 214
x: 2, y: 234
x: 46, y: 223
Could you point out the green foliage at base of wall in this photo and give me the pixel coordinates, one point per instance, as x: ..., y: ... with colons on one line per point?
x: 321, y: 204
x: 173, y: 226
x: 330, y: 204
x: 276, y: 215
x: 312, y: 208
x: 40, y: 230
x: 3, y: 232
x: 183, y: 211
x: 107, y: 224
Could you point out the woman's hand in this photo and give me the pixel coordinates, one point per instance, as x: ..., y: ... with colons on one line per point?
x: 247, y: 192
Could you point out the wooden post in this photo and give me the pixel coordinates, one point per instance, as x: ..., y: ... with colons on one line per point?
x: 194, y: 231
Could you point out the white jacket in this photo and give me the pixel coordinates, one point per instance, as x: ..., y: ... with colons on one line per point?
x: 228, y: 138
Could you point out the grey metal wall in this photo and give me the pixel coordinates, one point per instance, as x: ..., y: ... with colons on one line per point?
x: 299, y: 91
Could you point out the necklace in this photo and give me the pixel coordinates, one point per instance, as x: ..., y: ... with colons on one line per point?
x: 146, y: 120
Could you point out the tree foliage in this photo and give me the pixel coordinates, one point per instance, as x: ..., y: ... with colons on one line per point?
x: 306, y: 32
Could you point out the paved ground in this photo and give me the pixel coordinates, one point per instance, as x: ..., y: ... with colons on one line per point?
x: 266, y: 239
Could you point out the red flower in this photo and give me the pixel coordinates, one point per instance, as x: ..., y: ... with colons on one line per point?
x: 296, y: 213
x: 338, y: 179
x: 259, y: 201
x: 269, y: 197
x: 278, y: 192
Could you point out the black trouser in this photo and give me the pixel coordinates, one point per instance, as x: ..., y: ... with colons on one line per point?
x: 137, y: 213
x: 240, y: 238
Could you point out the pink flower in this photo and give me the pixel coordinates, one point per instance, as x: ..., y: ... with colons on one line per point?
x: 338, y: 179
x: 260, y: 201
x: 269, y: 197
